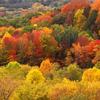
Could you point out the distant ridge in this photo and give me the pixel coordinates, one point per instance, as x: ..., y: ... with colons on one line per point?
x: 17, y: 5
x: 28, y: 3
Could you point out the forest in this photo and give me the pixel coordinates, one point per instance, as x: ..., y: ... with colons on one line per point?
x: 51, y: 53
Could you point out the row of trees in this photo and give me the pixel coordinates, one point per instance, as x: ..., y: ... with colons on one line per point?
x: 56, y: 34
x: 17, y: 1
x: 58, y: 43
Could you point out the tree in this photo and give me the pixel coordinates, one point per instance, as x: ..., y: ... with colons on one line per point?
x: 74, y: 5
x: 79, y: 19
x: 69, y: 37
x: 77, y: 4
x: 91, y: 19
x: 96, y: 5
x: 41, y: 18
x: 3, y: 56
x: 49, y: 44
x: 36, y: 40
x: 9, y: 43
x: 22, y: 48
x: 58, y: 19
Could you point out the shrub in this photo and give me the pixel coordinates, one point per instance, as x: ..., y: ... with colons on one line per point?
x: 19, y: 73
x: 89, y: 89
x: 3, y: 72
x: 7, y: 86
x: 80, y: 96
x: 57, y: 72
x: 74, y: 72
x: 91, y: 75
x: 65, y: 90
x: 97, y: 65
x: 16, y: 72
x: 34, y: 76
x: 26, y: 68
x: 13, y: 65
x: 31, y: 92
x: 72, y: 90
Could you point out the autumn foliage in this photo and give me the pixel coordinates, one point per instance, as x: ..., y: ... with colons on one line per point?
x: 51, y: 53
x: 96, y: 5
x: 74, y: 5
x: 71, y: 32
x: 41, y: 18
x: 46, y: 66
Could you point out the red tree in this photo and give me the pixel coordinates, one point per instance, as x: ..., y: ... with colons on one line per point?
x: 10, y: 44
x: 41, y: 18
x: 36, y: 39
x: 74, y: 5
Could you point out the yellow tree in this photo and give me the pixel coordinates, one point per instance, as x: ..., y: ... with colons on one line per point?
x: 79, y: 18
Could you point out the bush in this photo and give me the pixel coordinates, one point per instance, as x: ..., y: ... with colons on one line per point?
x: 13, y: 65
x: 34, y: 76
x: 18, y: 73
x: 80, y: 96
x: 63, y: 91
x: 72, y: 90
x: 91, y: 75
x: 14, y: 71
x: 74, y: 72
x: 89, y: 89
x: 57, y: 72
x: 3, y: 72
x: 97, y: 65
x: 30, y: 92
x: 7, y: 86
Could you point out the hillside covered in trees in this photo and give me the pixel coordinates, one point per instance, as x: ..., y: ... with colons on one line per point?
x: 51, y: 52
x: 28, y: 3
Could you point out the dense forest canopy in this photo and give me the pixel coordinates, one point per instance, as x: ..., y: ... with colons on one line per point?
x: 50, y: 50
